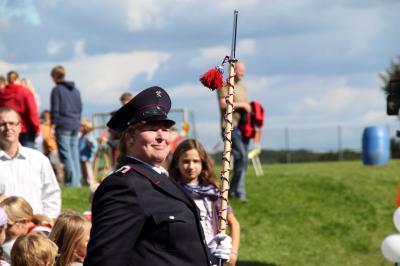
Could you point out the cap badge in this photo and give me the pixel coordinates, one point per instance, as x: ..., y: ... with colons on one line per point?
x: 158, y: 93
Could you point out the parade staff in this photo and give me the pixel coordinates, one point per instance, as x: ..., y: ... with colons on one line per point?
x: 140, y: 215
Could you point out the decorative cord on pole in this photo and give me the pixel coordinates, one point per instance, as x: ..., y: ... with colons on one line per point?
x: 226, y: 155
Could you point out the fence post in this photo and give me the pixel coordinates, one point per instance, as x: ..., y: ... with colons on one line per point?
x: 287, y: 146
x: 340, y: 149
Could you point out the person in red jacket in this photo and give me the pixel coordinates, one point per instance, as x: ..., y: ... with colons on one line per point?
x: 22, y: 100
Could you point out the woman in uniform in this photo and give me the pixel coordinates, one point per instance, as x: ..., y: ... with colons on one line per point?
x: 140, y: 215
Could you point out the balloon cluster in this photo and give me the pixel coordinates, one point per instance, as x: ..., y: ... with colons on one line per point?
x: 391, y: 244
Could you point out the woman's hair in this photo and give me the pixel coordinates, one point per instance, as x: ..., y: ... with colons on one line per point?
x: 33, y: 249
x: 17, y: 209
x: 126, y: 136
x: 207, y: 174
x: 67, y: 232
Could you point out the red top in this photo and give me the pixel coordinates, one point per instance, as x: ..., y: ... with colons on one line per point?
x: 21, y: 100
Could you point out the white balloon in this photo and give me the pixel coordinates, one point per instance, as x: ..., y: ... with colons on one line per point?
x: 391, y: 248
x: 396, y: 219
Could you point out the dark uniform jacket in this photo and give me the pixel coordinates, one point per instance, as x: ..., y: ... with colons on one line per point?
x: 144, y: 218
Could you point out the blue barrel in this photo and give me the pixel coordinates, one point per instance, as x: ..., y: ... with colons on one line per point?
x: 375, y: 146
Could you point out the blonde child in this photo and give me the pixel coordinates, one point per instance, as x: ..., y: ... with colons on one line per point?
x: 50, y: 145
x: 20, y: 220
x: 33, y: 249
x: 3, y: 226
x: 192, y: 167
x: 87, y: 151
x: 71, y: 233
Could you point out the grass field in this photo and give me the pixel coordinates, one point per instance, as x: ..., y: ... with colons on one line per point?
x: 334, y: 213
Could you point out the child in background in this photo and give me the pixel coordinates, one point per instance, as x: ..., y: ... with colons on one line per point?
x: 43, y: 224
x: 33, y: 249
x: 20, y: 219
x: 71, y: 233
x: 3, y: 225
x: 192, y: 167
x: 87, y: 150
x: 50, y: 145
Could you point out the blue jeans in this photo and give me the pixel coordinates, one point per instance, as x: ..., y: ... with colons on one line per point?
x: 67, y: 142
x: 240, y: 161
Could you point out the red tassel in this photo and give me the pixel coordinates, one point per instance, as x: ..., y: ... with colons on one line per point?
x: 213, y: 78
x: 398, y: 196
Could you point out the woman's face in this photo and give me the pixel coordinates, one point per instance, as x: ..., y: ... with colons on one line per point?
x: 190, y: 166
x: 81, y: 247
x: 150, y: 143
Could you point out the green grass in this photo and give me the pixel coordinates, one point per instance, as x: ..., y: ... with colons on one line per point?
x: 309, y: 214
x: 76, y: 199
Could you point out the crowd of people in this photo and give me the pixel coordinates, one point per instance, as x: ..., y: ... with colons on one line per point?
x: 147, y: 212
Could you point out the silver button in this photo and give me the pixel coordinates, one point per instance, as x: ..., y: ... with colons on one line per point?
x: 171, y: 217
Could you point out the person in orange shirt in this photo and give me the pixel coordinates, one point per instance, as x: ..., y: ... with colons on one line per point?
x: 50, y: 145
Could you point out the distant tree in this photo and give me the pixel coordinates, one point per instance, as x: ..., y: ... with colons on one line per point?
x: 393, y: 72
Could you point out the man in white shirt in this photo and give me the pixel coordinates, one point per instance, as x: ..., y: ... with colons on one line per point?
x: 26, y: 172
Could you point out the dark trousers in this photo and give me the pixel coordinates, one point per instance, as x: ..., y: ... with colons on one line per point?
x: 28, y: 139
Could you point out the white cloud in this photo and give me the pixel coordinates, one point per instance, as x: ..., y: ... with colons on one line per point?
x: 3, y: 22
x: 150, y: 14
x: 209, y: 57
x: 144, y: 15
x: 190, y: 91
x: 100, y: 78
x: 246, y: 46
x: 79, y: 48
x: 5, y: 67
x: 333, y: 99
x: 54, y: 47
x: 214, y: 55
x: 258, y: 84
x: 20, y: 9
x: 376, y: 117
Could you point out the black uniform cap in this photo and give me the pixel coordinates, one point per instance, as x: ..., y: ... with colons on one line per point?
x: 151, y: 104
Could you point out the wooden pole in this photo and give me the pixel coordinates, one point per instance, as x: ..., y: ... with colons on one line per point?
x: 226, y: 157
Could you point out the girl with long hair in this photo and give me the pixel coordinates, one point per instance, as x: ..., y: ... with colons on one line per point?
x: 71, y: 234
x: 193, y: 169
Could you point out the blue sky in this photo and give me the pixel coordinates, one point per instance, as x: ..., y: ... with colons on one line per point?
x: 311, y: 63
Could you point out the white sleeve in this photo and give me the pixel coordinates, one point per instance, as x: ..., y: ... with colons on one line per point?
x: 51, y: 194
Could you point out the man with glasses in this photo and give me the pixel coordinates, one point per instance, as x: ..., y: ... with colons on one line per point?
x: 26, y: 172
x: 21, y: 100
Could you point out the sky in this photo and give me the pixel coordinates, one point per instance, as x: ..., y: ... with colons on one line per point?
x: 312, y: 64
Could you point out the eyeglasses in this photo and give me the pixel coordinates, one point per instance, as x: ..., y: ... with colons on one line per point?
x: 11, y: 124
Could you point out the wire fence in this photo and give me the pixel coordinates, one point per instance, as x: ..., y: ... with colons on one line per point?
x: 342, y: 141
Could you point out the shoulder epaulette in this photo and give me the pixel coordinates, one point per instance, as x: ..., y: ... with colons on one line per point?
x: 123, y: 170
